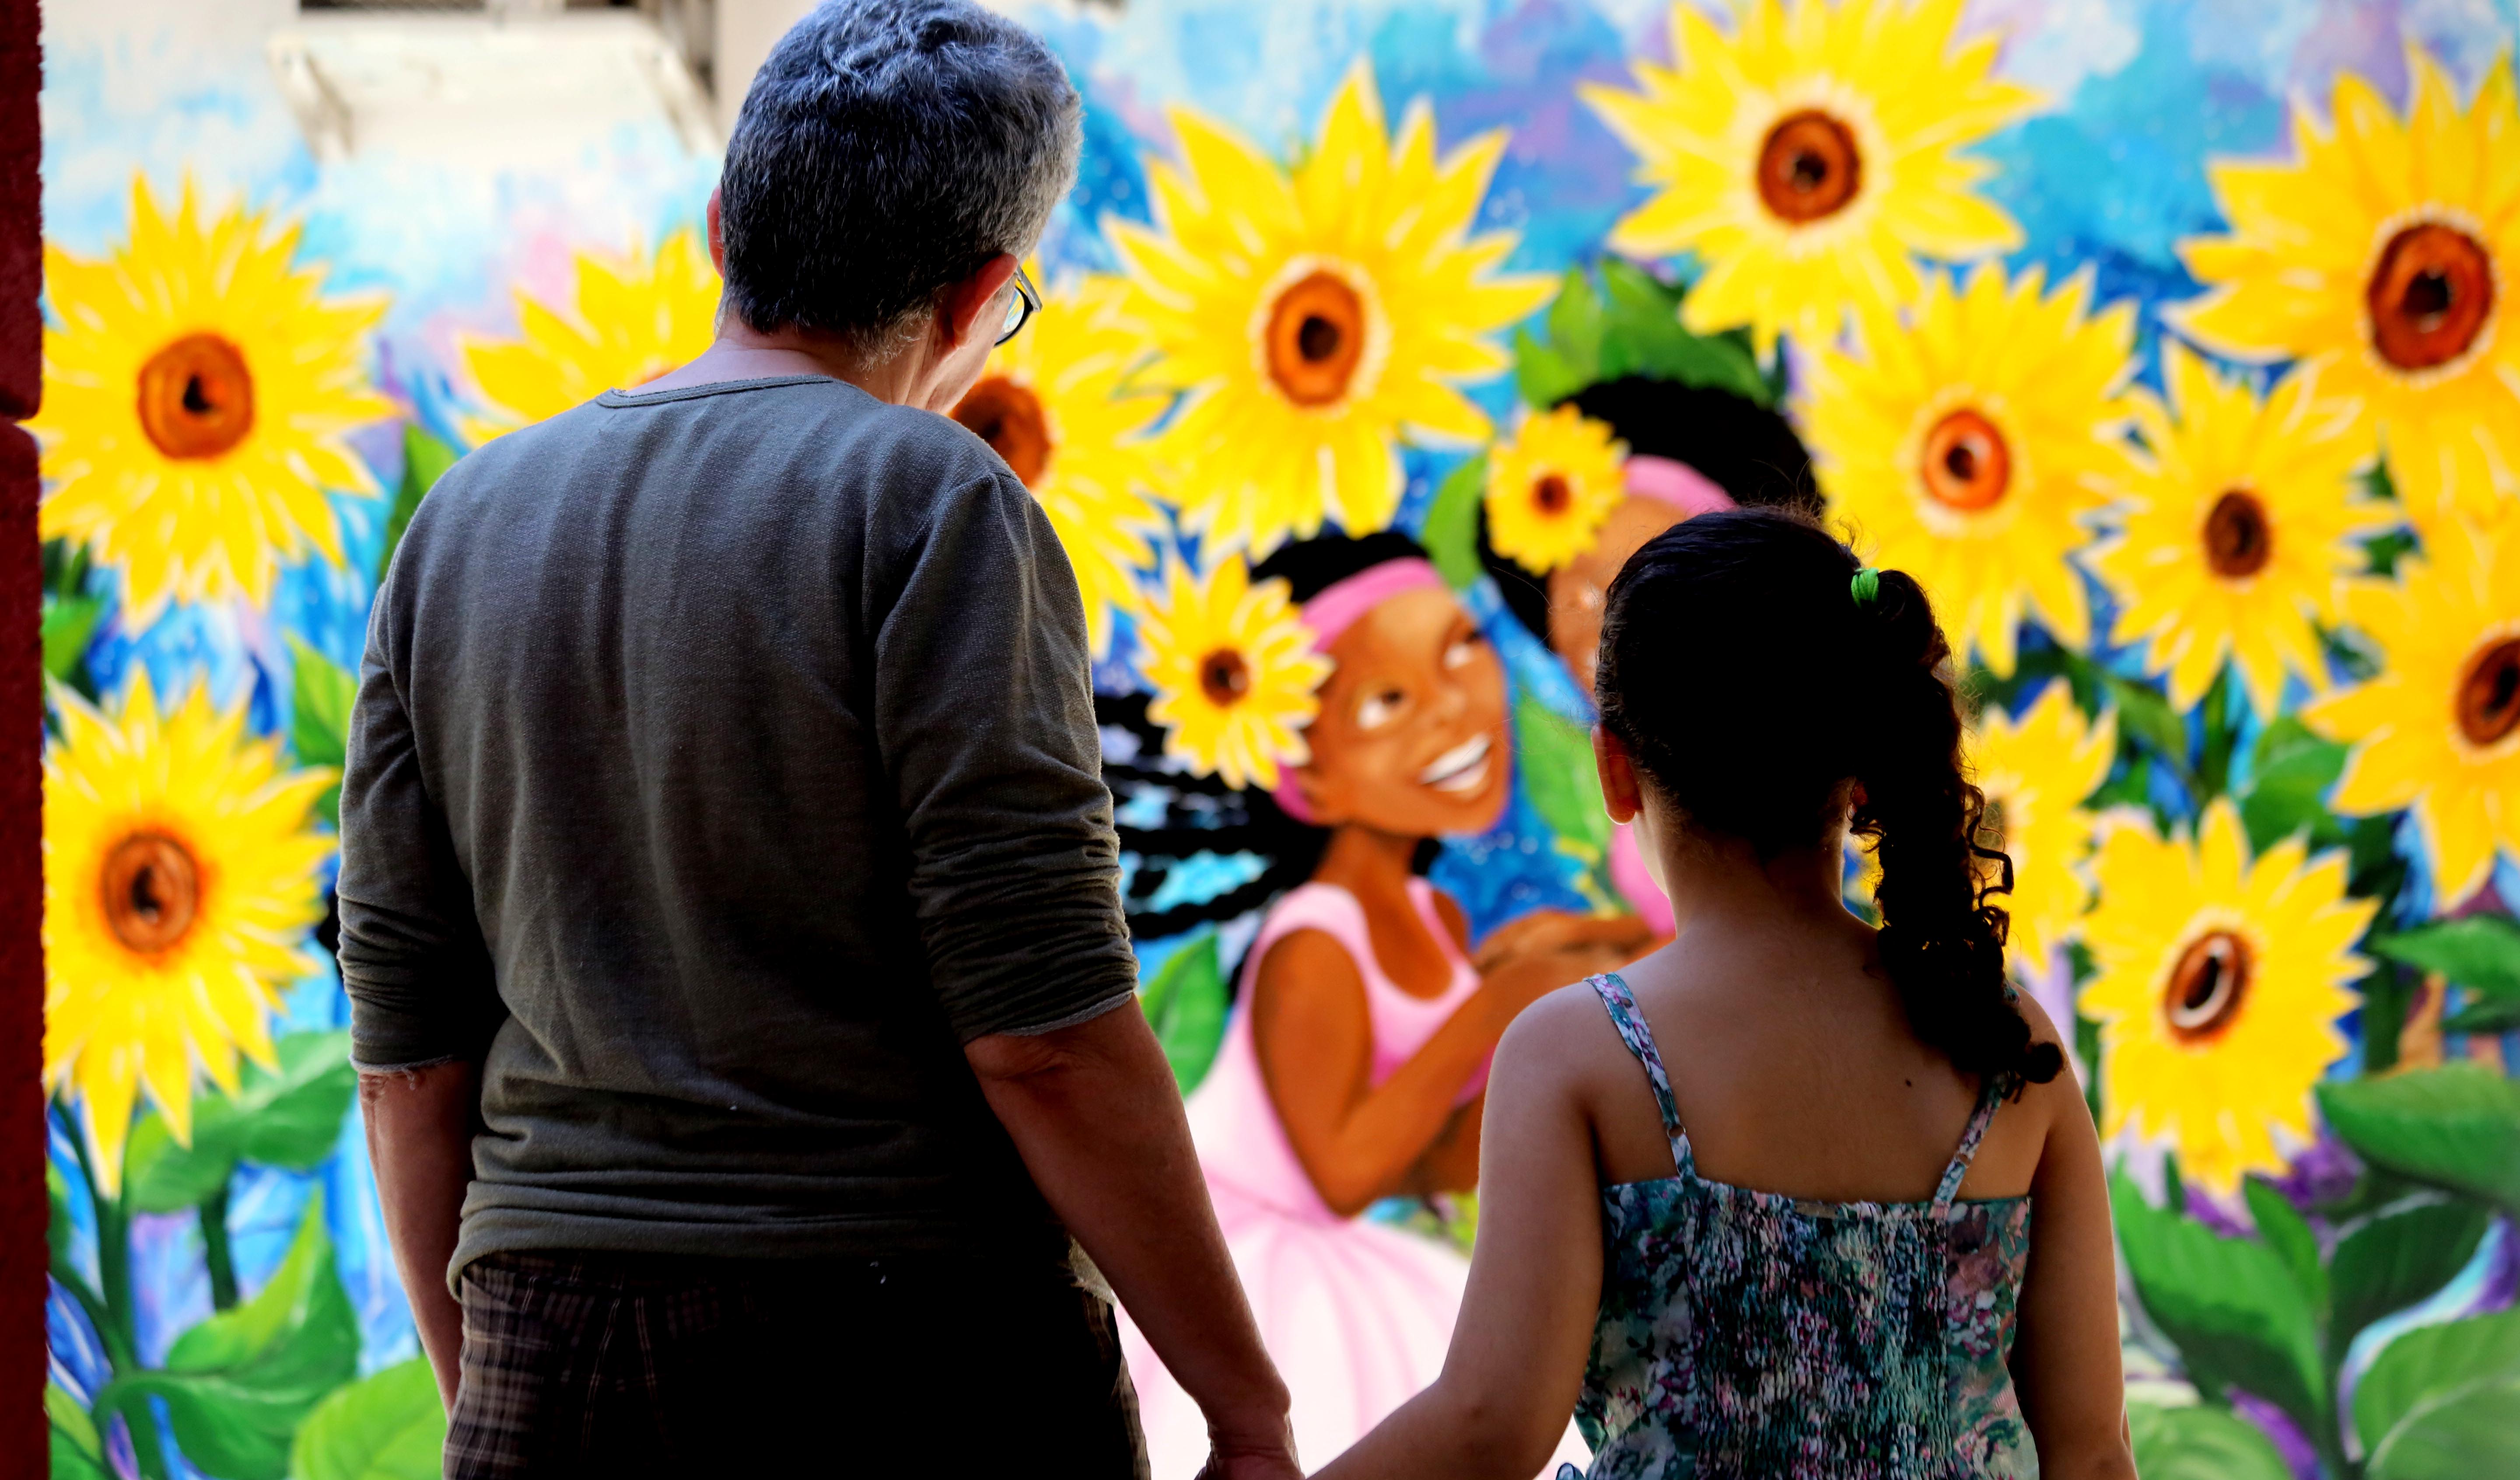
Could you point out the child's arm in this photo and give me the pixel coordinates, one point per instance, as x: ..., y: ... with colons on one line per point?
x: 2065, y: 1357
x: 1526, y: 1324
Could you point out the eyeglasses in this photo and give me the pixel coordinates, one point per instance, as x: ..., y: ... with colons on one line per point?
x: 1019, y: 312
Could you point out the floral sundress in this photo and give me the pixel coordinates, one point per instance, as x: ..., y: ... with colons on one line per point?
x: 1754, y: 1335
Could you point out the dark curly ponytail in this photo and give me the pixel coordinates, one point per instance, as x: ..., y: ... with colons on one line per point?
x: 1742, y: 672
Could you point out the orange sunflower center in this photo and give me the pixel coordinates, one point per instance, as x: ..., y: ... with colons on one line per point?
x: 1224, y: 677
x: 2489, y: 694
x: 1551, y: 495
x: 2238, y: 540
x: 1316, y: 340
x: 1009, y: 418
x: 153, y: 891
x: 2430, y: 296
x: 1809, y: 167
x: 2208, y: 987
x: 197, y: 397
x: 1967, y: 465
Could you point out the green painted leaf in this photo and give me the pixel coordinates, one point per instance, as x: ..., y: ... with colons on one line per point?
x: 71, y: 1425
x: 1555, y: 755
x: 2471, y: 1436
x: 291, y: 1119
x: 2398, y: 1258
x: 2201, y: 1444
x: 2289, y: 1235
x: 70, y: 622
x: 2456, y: 1127
x: 2231, y: 1305
x: 70, y: 1462
x: 322, y: 692
x: 1576, y: 326
x: 2145, y: 715
x: 2477, y: 950
x: 1645, y: 337
x: 1541, y: 373
x: 2292, y: 770
x: 2480, y: 953
x: 390, y: 1426
x: 237, y: 1385
x: 1186, y: 1005
x: 2430, y: 1363
x: 1451, y: 533
x: 425, y: 459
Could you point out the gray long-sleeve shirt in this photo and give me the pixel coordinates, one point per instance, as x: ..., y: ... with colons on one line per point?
x: 724, y: 759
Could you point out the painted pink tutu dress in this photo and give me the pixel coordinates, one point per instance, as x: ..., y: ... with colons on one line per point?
x: 1357, y: 1315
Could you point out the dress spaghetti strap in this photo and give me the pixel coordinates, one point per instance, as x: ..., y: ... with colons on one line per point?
x: 1631, y: 1023
x: 1998, y: 1086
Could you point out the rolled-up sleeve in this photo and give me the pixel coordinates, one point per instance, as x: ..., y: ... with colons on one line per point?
x: 422, y: 990
x: 985, y: 714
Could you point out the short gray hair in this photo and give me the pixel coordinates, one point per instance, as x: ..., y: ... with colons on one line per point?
x: 886, y: 148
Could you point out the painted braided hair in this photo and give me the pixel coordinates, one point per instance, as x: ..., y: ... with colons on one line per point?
x: 1750, y: 732
x: 1203, y: 814
x: 1738, y: 445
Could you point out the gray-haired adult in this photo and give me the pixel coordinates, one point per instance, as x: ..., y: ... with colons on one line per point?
x: 747, y: 1023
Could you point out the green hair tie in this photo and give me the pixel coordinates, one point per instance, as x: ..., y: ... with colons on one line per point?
x: 1866, y: 588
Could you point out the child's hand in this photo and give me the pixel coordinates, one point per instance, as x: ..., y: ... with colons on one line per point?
x: 1610, y: 940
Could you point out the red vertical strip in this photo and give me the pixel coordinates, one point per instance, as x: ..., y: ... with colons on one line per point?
x: 23, y: 1207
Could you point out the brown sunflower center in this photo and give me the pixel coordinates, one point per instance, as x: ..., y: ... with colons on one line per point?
x: 1224, y: 677
x: 195, y: 397
x: 1967, y: 465
x: 2238, y: 540
x: 1316, y: 339
x: 1551, y: 495
x: 1008, y: 417
x: 2489, y: 694
x: 2430, y: 296
x: 153, y: 891
x: 2208, y: 987
x: 1809, y: 167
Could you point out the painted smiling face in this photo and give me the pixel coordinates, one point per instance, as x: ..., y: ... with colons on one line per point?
x: 1412, y: 733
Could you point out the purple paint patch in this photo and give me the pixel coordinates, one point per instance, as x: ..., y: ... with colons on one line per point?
x: 2299, y: 1454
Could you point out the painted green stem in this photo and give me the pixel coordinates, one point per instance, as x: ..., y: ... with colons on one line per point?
x: 215, y: 1248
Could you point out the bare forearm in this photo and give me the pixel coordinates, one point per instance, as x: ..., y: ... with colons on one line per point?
x: 1094, y: 1112
x: 419, y: 1139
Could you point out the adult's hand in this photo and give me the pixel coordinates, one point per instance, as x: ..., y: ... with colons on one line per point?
x: 1268, y: 1463
x: 1095, y: 1112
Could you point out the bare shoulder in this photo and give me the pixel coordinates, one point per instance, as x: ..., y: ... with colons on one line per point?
x: 1565, y: 1036
x: 2046, y: 1102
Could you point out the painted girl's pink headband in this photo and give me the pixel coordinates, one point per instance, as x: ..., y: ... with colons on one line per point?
x: 1342, y: 605
x: 1676, y: 483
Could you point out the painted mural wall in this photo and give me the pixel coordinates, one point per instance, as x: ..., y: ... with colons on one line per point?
x: 2161, y: 340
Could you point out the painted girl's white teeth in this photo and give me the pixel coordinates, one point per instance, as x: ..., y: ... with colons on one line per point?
x: 1463, y: 768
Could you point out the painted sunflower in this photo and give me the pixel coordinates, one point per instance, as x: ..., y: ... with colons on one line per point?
x: 1234, y: 672
x: 1806, y: 155
x: 2035, y: 772
x: 635, y: 318
x: 2381, y: 257
x: 1552, y: 487
x: 1971, y: 444
x: 2438, y: 728
x: 2240, y: 530
x: 2218, y: 985
x: 180, y: 864
x: 1052, y: 404
x: 1316, y: 315
x: 197, y: 390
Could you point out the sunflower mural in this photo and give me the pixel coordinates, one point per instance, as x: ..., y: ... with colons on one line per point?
x: 2379, y: 257
x: 1314, y: 316
x: 2174, y: 367
x: 1975, y: 445
x: 1810, y: 154
x: 197, y: 386
x: 1056, y: 405
x: 633, y: 318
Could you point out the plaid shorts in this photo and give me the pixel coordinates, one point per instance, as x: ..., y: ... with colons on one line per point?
x: 582, y: 1363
